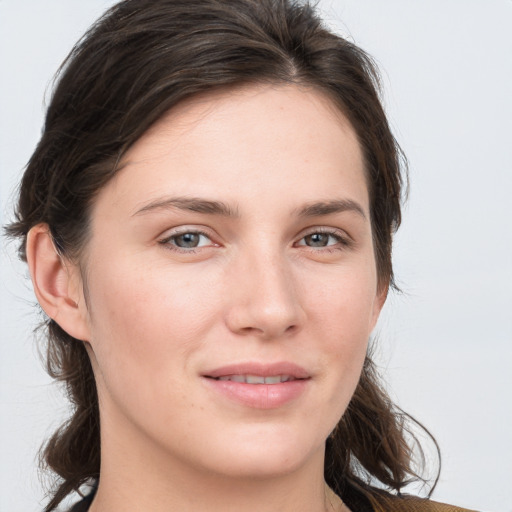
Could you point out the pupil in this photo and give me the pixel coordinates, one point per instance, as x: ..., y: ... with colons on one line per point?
x: 187, y: 240
x: 317, y: 239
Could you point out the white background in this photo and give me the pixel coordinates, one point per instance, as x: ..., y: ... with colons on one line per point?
x: 445, y: 345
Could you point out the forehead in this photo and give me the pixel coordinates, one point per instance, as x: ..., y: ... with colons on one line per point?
x: 254, y: 141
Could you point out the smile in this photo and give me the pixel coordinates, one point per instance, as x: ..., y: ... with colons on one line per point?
x: 257, y: 379
x: 259, y: 385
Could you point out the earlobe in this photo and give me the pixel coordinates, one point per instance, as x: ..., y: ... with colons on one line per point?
x: 56, y: 283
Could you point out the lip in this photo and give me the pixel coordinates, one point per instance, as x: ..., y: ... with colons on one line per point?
x: 259, y: 396
x: 263, y: 369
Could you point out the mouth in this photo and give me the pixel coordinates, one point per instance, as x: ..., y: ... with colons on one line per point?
x: 256, y: 379
x: 259, y: 385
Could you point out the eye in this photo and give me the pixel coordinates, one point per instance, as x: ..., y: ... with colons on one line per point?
x: 319, y: 240
x: 329, y: 240
x: 187, y: 240
x: 322, y: 239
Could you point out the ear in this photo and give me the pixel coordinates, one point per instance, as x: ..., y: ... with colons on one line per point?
x: 378, y: 304
x: 57, y: 283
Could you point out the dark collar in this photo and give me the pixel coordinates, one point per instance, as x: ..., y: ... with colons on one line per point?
x: 84, y: 504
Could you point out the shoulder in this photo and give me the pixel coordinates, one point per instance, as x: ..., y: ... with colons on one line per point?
x: 413, y: 504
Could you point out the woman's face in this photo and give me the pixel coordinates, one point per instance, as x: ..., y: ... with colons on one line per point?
x: 231, y: 284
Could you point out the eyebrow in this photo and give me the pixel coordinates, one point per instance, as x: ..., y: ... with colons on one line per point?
x: 329, y: 207
x: 211, y: 207
x: 191, y: 204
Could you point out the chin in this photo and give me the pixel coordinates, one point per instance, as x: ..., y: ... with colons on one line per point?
x: 265, y: 456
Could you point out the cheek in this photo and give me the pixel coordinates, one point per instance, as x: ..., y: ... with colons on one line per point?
x: 341, y: 312
x: 148, y: 317
x: 146, y: 326
x: 343, y: 301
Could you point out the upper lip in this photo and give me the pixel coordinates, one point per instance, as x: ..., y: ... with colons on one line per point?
x: 260, y: 369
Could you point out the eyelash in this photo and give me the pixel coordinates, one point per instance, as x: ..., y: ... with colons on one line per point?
x: 343, y: 242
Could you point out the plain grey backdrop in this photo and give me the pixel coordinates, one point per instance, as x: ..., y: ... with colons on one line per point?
x: 445, y: 345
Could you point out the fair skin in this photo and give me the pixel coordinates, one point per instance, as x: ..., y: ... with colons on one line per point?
x: 235, y: 241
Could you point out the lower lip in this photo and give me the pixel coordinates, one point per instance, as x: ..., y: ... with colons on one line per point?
x: 260, y: 396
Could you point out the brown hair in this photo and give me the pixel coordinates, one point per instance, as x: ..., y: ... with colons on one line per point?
x: 138, y: 61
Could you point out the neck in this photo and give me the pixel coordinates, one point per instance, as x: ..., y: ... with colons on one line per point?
x: 135, y: 478
x: 230, y: 497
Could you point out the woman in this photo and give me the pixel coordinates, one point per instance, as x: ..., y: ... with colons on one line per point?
x: 207, y: 221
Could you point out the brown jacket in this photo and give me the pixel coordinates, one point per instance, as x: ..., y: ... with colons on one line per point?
x: 413, y: 504
x: 384, y: 504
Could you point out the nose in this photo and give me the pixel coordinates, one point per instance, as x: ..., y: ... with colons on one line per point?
x: 264, y: 298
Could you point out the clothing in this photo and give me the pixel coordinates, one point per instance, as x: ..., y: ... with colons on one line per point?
x: 85, y: 503
x: 413, y: 504
x: 385, y: 504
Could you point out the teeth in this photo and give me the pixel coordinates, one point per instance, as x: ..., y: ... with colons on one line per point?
x: 254, y: 379
x: 257, y: 379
